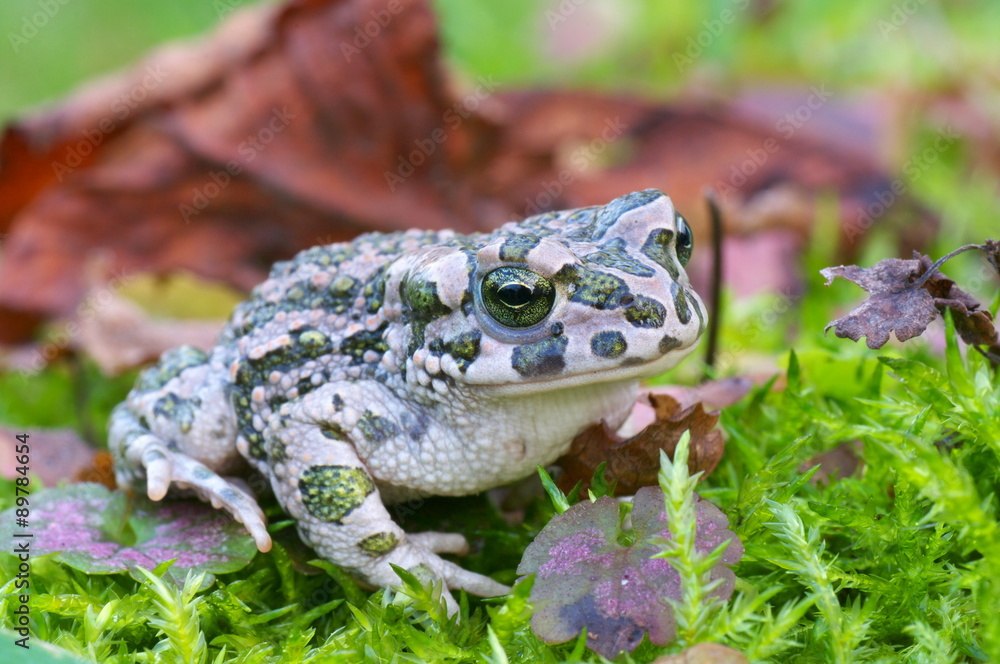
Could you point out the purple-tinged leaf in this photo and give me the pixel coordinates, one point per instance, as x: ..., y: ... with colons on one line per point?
x: 893, y: 306
x: 585, y: 579
x: 906, y: 295
x: 98, y: 531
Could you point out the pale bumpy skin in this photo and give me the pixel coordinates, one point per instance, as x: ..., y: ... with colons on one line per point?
x: 396, y: 365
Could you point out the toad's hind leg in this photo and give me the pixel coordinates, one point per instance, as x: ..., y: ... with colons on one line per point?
x: 179, y: 433
x: 322, y: 482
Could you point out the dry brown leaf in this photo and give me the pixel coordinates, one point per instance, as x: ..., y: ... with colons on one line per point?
x: 280, y: 132
x: 973, y: 323
x: 119, y: 335
x: 712, y: 394
x: 892, y: 307
x: 101, y: 470
x: 259, y: 141
x: 993, y: 254
x: 634, y: 462
x: 904, y: 300
x: 842, y: 461
x: 705, y: 653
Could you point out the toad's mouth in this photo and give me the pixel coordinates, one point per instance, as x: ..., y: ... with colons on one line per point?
x: 646, y: 369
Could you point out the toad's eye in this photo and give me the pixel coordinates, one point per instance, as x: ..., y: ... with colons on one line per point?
x: 685, y: 240
x: 515, y: 297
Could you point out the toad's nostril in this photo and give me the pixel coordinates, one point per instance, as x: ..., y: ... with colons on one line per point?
x: 626, y: 300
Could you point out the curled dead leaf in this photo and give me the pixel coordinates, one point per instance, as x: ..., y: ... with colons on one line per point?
x: 906, y: 295
x: 893, y: 305
x: 844, y: 460
x: 993, y: 254
x: 633, y: 462
x: 972, y: 322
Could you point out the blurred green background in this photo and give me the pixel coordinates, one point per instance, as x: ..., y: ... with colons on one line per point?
x: 620, y: 44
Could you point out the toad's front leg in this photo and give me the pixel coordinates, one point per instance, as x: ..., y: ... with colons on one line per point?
x: 321, y: 481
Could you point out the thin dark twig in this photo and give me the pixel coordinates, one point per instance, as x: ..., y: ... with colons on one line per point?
x: 992, y: 353
x: 715, y: 294
x: 941, y: 261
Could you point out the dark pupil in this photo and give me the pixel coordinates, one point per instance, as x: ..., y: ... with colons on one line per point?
x: 514, y: 294
x: 683, y: 233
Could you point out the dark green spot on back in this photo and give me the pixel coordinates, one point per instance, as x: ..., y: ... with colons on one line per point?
x: 171, y: 364
x: 516, y: 247
x: 609, y: 344
x: 681, y: 303
x: 593, y: 288
x: 375, y: 428
x: 645, y: 312
x: 464, y: 348
x: 668, y: 343
x: 542, y: 358
x: 330, y: 493
x: 379, y: 544
x: 615, y: 255
x: 659, y: 248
